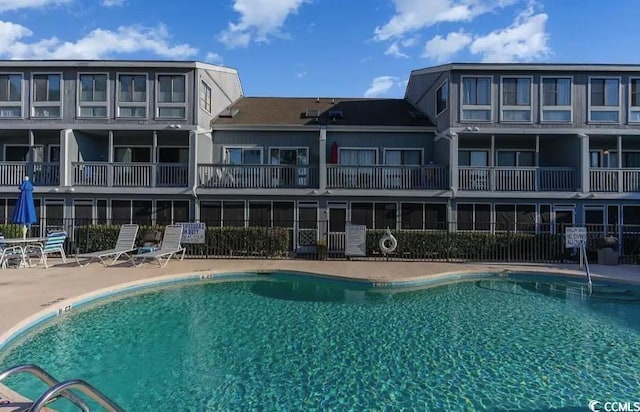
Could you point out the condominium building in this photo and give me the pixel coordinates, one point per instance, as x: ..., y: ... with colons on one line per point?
x: 495, y: 147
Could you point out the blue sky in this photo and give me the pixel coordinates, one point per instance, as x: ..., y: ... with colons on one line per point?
x: 341, y: 48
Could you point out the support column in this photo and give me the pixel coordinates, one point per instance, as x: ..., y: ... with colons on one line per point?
x: 322, y: 159
x: 66, y: 169
x: 453, y: 162
x: 154, y: 159
x: 492, y: 162
x: 536, y: 162
x: 620, y: 172
x: 584, y: 162
x: 110, y: 156
x: 193, y: 161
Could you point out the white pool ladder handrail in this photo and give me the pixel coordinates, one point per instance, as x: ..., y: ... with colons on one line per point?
x: 57, y: 390
x: 583, y: 250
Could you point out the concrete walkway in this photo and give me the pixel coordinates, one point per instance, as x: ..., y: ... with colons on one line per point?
x: 24, y: 292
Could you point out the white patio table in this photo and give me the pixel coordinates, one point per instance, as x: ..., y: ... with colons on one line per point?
x: 22, y: 243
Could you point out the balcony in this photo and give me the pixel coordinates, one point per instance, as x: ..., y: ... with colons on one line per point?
x: 517, y: 179
x: 224, y: 176
x: 388, y: 177
x: 614, y: 180
x: 101, y: 174
x: 40, y: 174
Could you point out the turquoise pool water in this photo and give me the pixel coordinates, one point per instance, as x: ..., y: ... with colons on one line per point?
x: 285, y: 343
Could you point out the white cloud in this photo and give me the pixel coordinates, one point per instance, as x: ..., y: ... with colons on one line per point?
x: 29, y: 4
x: 112, y: 3
x: 394, y: 50
x: 525, y: 39
x: 213, y: 58
x: 98, y: 44
x: 442, y: 48
x: 259, y: 19
x: 380, y: 86
x: 414, y: 15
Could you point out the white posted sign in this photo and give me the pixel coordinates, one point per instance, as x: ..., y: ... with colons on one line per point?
x: 356, y: 240
x: 193, y: 232
x: 575, y: 236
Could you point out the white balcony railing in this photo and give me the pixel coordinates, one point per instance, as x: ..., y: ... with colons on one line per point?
x: 130, y: 174
x: 40, y: 174
x: 387, y: 177
x: 516, y: 179
x: 614, y: 180
x: 257, y: 176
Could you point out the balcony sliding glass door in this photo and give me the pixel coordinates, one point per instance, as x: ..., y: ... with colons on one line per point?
x: 294, y: 176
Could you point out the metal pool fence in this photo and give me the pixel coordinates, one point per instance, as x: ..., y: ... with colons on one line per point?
x: 436, y: 241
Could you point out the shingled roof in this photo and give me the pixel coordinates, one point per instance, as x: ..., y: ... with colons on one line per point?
x: 301, y: 111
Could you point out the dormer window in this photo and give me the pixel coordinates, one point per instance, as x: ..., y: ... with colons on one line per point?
x: 476, y: 99
x: 604, y: 100
x: 516, y: 99
x: 10, y: 95
x: 442, y: 98
x: 556, y: 99
x: 92, y: 95
x: 132, y: 96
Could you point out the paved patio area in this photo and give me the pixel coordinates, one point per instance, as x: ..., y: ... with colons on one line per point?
x: 24, y: 292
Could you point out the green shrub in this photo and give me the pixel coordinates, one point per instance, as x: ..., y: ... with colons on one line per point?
x: 11, y: 230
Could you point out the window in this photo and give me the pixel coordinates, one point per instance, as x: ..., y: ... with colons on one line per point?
x: 385, y: 215
x: 260, y: 214
x: 16, y: 153
x: 233, y: 214
x: 603, y: 159
x: 101, y: 211
x: 358, y: 157
x: 476, y: 98
x: 404, y: 157
x: 242, y: 155
x: 139, y: 154
x: 172, y: 211
x: 171, y: 97
x: 46, y: 101
x: 205, y: 97
x: 289, y: 176
x: 362, y: 214
x: 131, y: 211
x: 556, y: 99
x: 634, y: 109
x: 515, y: 158
x: 435, y: 216
x: 211, y: 213
x: 604, y: 100
x: 442, y: 98
x: 82, y: 212
x: 518, y: 218
x: 412, y: 216
x: 474, y: 216
x: 132, y: 95
x: 10, y: 95
x: 516, y: 99
x: 283, y: 214
x: 477, y: 158
x: 92, y: 101
x: 173, y: 155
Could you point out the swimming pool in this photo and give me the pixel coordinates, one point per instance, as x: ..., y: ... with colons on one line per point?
x: 285, y: 342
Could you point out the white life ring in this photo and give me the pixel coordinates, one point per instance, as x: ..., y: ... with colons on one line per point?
x: 392, y: 243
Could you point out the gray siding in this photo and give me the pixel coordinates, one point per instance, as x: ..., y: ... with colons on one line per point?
x: 421, y: 92
x: 382, y: 140
x: 225, y: 90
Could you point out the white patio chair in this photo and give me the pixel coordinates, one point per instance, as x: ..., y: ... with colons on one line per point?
x: 125, y: 245
x: 169, y: 247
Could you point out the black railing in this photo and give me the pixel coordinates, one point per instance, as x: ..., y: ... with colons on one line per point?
x: 436, y: 241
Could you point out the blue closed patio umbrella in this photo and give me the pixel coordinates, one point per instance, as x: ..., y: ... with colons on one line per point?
x: 25, y: 212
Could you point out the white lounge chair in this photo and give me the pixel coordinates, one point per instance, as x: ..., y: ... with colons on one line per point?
x: 169, y: 247
x: 54, y: 243
x: 125, y: 245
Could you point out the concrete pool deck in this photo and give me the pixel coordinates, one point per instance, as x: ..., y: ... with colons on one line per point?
x: 24, y: 292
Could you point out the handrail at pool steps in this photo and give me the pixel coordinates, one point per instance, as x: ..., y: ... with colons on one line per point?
x: 56, y: 390
x: 583, y: 251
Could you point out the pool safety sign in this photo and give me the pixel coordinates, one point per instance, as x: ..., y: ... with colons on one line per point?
x: 356, y: 240
x: 575, y: 236
x: 193, y: 232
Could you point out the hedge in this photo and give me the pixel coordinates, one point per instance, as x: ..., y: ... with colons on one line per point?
x: 11, y: 230
x: 219, y: 241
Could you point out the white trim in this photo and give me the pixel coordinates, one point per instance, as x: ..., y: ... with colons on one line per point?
x: 630, y: 108
x: 604, y: 108
x: 542, y: 107
x: 376, y: 149
x: 119, y: 104
x: 35, y: 104
x: 476, y: 107
x: 516, y: 107
x: 21, y: 103
x: 158, y: 105
x: 79, y: 104
x: 446, y: 107
x: 415, y: 149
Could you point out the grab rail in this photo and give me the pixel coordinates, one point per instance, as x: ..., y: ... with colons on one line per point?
x: 49, y: 380
x: 80, y: 385
x: 583, y: 250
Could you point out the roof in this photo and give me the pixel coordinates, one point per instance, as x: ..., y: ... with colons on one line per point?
x: 574, y: 67
x: 143, y: 64
x: 311, y: 111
